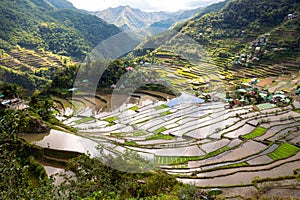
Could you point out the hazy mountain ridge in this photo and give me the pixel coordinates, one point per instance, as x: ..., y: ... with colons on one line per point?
x: 182, y: 17
x: 125, y: 16
x: 131, y: 18
x: 178, y: 17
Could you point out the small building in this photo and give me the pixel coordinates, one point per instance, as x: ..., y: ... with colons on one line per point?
x: 13, y: 104
x: 262, y: 41
x: 279, y: 97
x: 72, y: 89
x: 263, y: 106
x: 257, y: 49
x: 291, y: 16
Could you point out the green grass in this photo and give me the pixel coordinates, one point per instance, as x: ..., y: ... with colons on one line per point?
x: 259, y: 131
x: 140, y: 133
x: 64, y: 102
x: 160, y: 137
x: 116, y: 134
x: 297, y: 111
x: 160, y: 130
x: 77, y: 106
x: 163, y: 106
x: 84, y: 120
x: 111, y: 119
x: 54, y: 112
x: 143, y: 121
x: 134, y: 108
x: 216, y: 152
x: 132, y: 143
x: 284, y: 151
x: 179, y: 71
x: 167, y: 160
x: 165, y: 113
x: 241, y: 164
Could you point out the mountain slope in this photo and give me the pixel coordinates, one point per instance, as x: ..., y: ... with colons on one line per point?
x: 244, y: 39
x: 253, y: 16
x: 41, y: 24
x: 38, y: 37
x: 61, y: 4
x: 177, y: 17
x: 133, y: 19
x: 125, y: 16
x: 241, y: 22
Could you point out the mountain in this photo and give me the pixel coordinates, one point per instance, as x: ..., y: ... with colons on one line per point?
x: 180, y: 18
x: 52, y: 25
x: 166, y: 36
x: 239, y: 39
x: 175, y: 18
x: 38, y: 37
x: 240, y: 21
x: 132, y: 19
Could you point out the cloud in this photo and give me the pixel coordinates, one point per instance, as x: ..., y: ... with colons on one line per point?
x: 146, y: 5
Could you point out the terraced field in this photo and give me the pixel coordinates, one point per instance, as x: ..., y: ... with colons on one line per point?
x: 211, y: 73
x: 187, y: 79
x: 205, y: 144
x: 30, y: 68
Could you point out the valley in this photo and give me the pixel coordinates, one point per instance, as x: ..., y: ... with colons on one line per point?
x: 207, y: 109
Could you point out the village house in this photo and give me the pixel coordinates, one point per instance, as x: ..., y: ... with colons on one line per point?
x: 13, y: 104
x: 291, y: 16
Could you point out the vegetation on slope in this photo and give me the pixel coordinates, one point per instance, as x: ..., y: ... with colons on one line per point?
x: 40, y: 25
x: 239, y: 22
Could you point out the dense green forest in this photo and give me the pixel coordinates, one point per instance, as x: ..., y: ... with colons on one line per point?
x: 51, y: 26
x: 240, y: 20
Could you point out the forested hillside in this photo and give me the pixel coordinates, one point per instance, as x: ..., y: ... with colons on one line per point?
x: 233, y: 28
x: 41, y: 24
x: 240, y: 18
x: 38, y: 37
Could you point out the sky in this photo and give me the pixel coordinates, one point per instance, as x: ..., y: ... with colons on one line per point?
x: 145, y: 5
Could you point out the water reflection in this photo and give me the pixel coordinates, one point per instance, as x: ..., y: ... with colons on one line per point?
x: 63, y: 141
x: 57, y: 172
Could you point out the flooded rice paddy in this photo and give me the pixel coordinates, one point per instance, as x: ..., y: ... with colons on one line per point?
x: 187, y: 139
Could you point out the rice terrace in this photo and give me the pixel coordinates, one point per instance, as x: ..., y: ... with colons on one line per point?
x: 183, y: 101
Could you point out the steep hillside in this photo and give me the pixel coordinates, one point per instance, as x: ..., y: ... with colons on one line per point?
x: 41, y: 24
x: 244, y: 39
x: 251, y: 17
x: 259, y: 30
x: 236, y: 28
x: 61, y: 4
x: 39, y: 37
